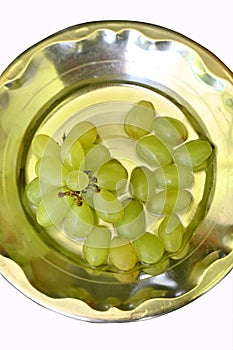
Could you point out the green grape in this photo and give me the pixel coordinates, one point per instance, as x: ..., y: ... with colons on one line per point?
x: 193, y: 154
x: 152, y: 150
x: 88, y: 196
x: 143, y: 183
x: 171, y: 232
x: 170, y: 131
x: 33, y: 191
x: 85, y: 132
x: 122, y: 254
x: 111, y: 175
x: 51, y: 172
x: 96, y: 247
x: 107, y: 206
x: 72, y: 154
x: 170, y: 201
x: 77, y: 180
x: 52, y: 208
x: 95, y: 156
x: 44, y: 145
x: 173, y: 176
x: 149, y: 248
x: 132, y: 224
x: 181, y: 253
x: 79, y: 221
x: 139, y: 119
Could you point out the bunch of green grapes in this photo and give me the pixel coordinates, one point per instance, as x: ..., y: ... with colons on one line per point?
x: 164, y: 182
x: 82, y: 190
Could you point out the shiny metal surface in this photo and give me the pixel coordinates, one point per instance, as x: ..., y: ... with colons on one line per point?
x: 96, y: 63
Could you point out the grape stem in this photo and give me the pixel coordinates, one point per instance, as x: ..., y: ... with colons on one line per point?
x: 77, y: 195
x: 92, y: 182
x: 70, y: 193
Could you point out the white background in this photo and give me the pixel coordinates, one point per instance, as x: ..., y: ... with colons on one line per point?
x: 205, y: 324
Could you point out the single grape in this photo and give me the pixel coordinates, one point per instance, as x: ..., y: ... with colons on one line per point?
x: 88, y: 196
x: 77, y: 180
x: 132, y: 224
x: 193, y: 154
x: 173, y: 176
x: 96, y: 246
x: 95, y: 156
x: 181, y: 253
x: 52, y: 208
x: 152, y: 150
x: 149, y: 248
x: 72, y: 154
x: 171, y: 232
x: 44, y: 145
x: 111, y: 175
x: 51, y: 171
x: 170, y: 131
x: 122, y: 254
x: 139, y: 119
x: 85, y: 132
x: 170, y: 201
x: 143, y: 183
x: 33, y: 191
x: 79, y: 221
x: 107, y: 206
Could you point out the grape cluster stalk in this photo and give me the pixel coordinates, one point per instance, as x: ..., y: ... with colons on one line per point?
x: 89, y: 195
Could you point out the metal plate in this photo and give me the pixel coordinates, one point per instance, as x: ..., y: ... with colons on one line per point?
x: 94, y: 70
